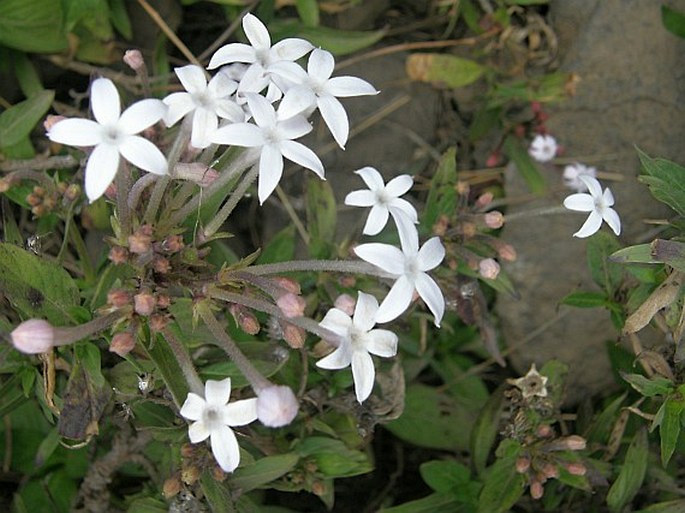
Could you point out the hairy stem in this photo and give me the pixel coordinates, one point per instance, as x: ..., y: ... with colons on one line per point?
x: 185, y: 362
x: 225, y: 211
x: 340, y: 266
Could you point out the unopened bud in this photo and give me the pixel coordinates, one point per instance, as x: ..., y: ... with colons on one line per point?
x: 190, y: 474
x: 122, y: 343
x: 575, y: 443
x: 522, y: 464
x: 576, y: 468
x: 39, y: 210
x: 245, y: 319
x: 346, y: 303
x: 468, y: 229
x: 441, y: 225
x: 173, y: 243
x: 118, y: 298
x: 144, y: 303
x: 72, y: 192
x: 276, y: 406
x: 139, y: 243
x: 163, y: 301
x: 5, y: 185
x: 492, y: 160
x: 158, y: 322
x: 171, y: 487
x: 111, y: 191
x: 187, y: 451
x: 318, y: 488
x: 484, y: 199
x: 196, y: 172
x: 161, y: 265
x: 536, y: 490
x: 507, y: 252
x: 494, y: 219
x: 291, y: 305
x: 51, y: 121
x: 33, y: 199
x: 348, y: 281
x: 33, y: 336
x: 292, y: 334
x: 488, y: 268
x: 118, y: 255
x: 463, y: 188
x: 287, y: 284
x: 545, y: 431
x: 134, y: 60
x: 550, y: 470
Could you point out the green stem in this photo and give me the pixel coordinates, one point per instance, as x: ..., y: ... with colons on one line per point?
x: 341, y: 266
x: 535, y: 213
x: 221, y: 216
x: 123, y: 212
x: 81, y: 250
x: 70, y: 334
x: 185, y: 362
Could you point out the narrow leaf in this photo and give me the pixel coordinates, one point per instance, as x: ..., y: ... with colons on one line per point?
x: 443, y: 70
x: 525, y: 165
x: 649, y: 387
x: 18, y: 121
x: 632, y: 473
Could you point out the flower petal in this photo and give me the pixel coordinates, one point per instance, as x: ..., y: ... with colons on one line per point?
x: 178, y: 105
x: 101, y: 169
x: 399, y: 185
x: 344, y: 87
x: 221, y: 86
x: 591, y: 225
x: 197, y: 432
x: 104, y: 101
x: 205, y: 123
x: 333, y: 113
x: 363, y: 373
x: 580, y: 202
x: 239, y: 134
x: 228, y: 109
x: 372, y: 178
x: 608, y: 197
x: 143, y: 154
x: 293, y: 128
x: 613, y: 220
x: 193, y: 407
x: 431, y: 295
x: 256, y: 32
x: 592, y: 184
x: 232, y: 52
x: 320, y: 65
x: 376, y: 221
x: 338, y: 359
x: 337, y: 321
x: 289, y: 49
x: 365, y: 312
x: 397, y: 300
x: 295, y: 101
x: 409, y: 235
x: 239, y: 413
x: 431, y: 254
x: 192, y: 78
x: 225, y: 448
x: 141, y: 115
x: 361, y: 198
x: 382, y: 343
x: 384, y: 256
x: 262, y: 111
x: 217, y: 393
x: 290, y: 71
x: 405, y: 208
x: 302, y: 155
x: 76, y: 132
x: 270, y: 171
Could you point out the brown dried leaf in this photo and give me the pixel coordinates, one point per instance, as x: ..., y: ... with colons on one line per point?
x: 664, y: 295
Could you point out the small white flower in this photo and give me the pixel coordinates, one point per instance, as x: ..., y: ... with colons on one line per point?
x: 276, y: 406
x: 409, y: 266
x: 358, y: 341
x: 598, y: 204
x: 275, y: 137
x: 543, y: 148
x: 572, y: 174
x: 112, y: 134
x: 206, y: 101
x: 383, y: 199
x: 317, y: 88
x: 212, y: 417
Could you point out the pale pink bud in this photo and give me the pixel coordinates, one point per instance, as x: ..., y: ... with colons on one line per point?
x: 494, y: 219
x: 522, y: 464
x: 507, y: 252
x: 144, y: 303
x: 51, y: 121
x: 111, y: 191
x: 118, y: 255
x: 293, y: 335
x: 33, y: 336
x: 575, y: 443
x: 287, y: 284
x: 276, y: 406
x: 492, y: 160
x: 197, y: 173
x: 488, y: 268
x: 550, y: 470
x: 576, y: 468
x: 134, y: 59
x: 118, y: 298
x: 291, y: 305
x: 484, y: 200
x: 173, y: 243
x: 545, y: 431
x: 122, y: 343
x: 141, y: 241
x: 346, y: 303
x: 536, y: 490
x: 245, y: 319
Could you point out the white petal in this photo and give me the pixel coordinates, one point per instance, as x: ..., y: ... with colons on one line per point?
x: 262, y: 111
x: 386, y: 257
x: 228, y: 109
x: 321, y: 64
x: 613, y: 220
x: 141, y: 115
x: 365, y: 312
x: 337, y: 321
x: 290, y: 71
x: 344, y: 87
x: 293, y: 128
x: 397, y: 300
x: 580, y: 202
x: 143, y: 154
x: 296, y: 100
x: 217, y: 393
x: 431, y: 295
x: 399, y: 185
x: 362, y: 198
x: 405, y: 208
x: 192, y: 78
x: 591, y: 225
x: 608, y: 197
x: 302, y: 155
x: 178, y: 105
x: 382, y: 343
x: 363, y: 373
x: 240, y: 413
x: 270, y: 171
x: 205, y: 123
x: 239, y: 134
x: 104, y: 101
x: 409, y: 235
x: 372, y: 178
x: 378, y: 218
x: 221, y: 86
x: 197, y: 432
x: 289, y: 49
x: 431, y: 254
x: 333, y: 113
x: 256, y: 32
x: 233, y: 52
x: 592, y: 184
x: 338, y: 359
x: 225, y: 448
x: 101, y: 169
x: 193, y: 407
x: 76, y: 132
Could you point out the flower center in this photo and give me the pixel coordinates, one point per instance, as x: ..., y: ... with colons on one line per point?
x: 203, y: 100
x: 357, y: 339
x: 382, y: 197
x: 110, y: 135
x: 211, y: 418
x: 411, y: 267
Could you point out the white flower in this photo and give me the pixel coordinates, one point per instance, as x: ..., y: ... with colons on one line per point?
x: 206, y: 102
x: 212, y: 417
x: 572, y: 174
x: 275, y: 137
x: 276, y: 406
x: 543, y: 148
x: 383, y: 199
x: 112, y: 134
x: 317, y: 88
x: 598, y: 204
x: 358, y: 341
x: 409, y: 266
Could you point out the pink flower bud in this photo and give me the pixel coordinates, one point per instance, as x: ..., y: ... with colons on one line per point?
x: 122, y: 343
x: 33, y: 336
x: 576, y: 468
x: 134, y: 59
x: 575, y: 443
x: 139, y: 243
x: 507, y: 252
x: 346, y: 303
x: 245, y: 319
x: 484, y: 200
x: 522, y: 464
x: 118, y: 255
x: 536, y: 490
x: 196, y: 172
x: 550, y: 471
x: 144, y: 303
x: 291, y: 305
x: 287, y: 284
x: 276, y: 406
x: 173, y: 243
x: 492, y: 160
x: 118, y: 298
x: 488, y: 268
x: 293, y: 335
x: 494, y: 219
x: 545, y: 431
x: 51, y: 121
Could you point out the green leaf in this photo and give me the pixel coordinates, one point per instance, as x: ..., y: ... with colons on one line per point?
x: 32, y: 25
x: 321, y: 216
x: 263, y: 471
x: 503, y: 486
x: 120, y: 19
x: 434, y: 503
x: 677, y: 506
x: 442, y: 197
x: 639, y: 254
x: 632, y: 473
x: 443, y: 70
x: 649, y: 387
x: 333, y: 458
x: 168, y: 366
x: 669, y: 252
x: 336, y: 41
x: 36, y: 287
x: 18, y: 121
x: 485, y: 430
x: 217, y: 495
x: 281, y: 247
x: 147, y: 505
x: 666, y: 181
x: 604, y: 272
x: 444, y: 476
x: 585, y: 299
x: 525, y: 164
x: 669, y: 426
x: 26, y: 73
x: 308, y: 11
x: 673, y: 21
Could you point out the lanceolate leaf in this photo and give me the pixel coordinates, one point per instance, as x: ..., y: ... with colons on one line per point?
x: 32, y: 25
x: 524, y: 164
x: 666, y: 181
x: 18, y: 121
x: 632, y: 473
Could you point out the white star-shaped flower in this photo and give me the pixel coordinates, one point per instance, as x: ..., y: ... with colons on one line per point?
x: 409, y: 266
x: 113, y: 134
x: 275, y: 137
x: 572, y: 174
x: 317, y: 88
x: 383, y: 199
x: 206, y: 101
x: 212, y: 418
x: 598, y: 204
x: 358, y: 341
x: 543, y: 148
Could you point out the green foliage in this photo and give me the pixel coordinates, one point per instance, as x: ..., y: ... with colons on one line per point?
x: 503, y: 485
x: 665, y: 181
x: 673, y: 20
x: 632, y: 473
x: 32, y: 25
x: 524, y: 164
x: 17, y: 122
x: 444, y: 70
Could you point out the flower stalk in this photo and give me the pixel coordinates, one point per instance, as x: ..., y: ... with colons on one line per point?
x: 225, y: 211
x: 184, y: 361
